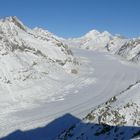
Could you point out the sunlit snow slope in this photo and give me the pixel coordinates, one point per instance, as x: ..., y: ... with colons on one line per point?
x: 27, y: 58
x: 101, y: 76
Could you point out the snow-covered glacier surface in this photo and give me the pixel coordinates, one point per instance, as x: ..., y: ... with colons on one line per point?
x: 100, y: 77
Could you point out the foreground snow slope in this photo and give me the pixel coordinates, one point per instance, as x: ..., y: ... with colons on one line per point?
x: 117, y: 118
x: 100, y: 76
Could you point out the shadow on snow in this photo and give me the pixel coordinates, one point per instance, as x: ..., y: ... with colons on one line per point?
x: 58, y: 126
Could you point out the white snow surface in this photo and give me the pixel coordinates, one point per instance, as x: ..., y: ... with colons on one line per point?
x: 42, y: 80
x: 100, y: 77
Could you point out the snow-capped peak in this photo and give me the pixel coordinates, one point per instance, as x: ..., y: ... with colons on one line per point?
x: 95, y: 33
x: 92, y: 33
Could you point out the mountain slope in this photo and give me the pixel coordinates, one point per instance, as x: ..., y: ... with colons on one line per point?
x: 29, y: 61
x: 14, y: 34
x: 130, y: 50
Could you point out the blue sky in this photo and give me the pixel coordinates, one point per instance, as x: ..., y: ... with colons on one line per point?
x: 73, y: 18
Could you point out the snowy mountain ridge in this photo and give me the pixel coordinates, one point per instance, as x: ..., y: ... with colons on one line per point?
x: 13, y: 30
x: 95, y: 40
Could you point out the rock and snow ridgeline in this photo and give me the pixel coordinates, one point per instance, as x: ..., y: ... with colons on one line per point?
x: 27, y: 53
x: 117, y: 118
